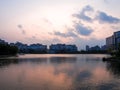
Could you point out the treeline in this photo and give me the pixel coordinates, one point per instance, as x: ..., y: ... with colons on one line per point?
x: 6, y: 49
x: 115, y: 52
x: 93, y: 52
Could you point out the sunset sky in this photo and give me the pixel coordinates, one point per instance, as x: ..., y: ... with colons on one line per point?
x: 80, y: 22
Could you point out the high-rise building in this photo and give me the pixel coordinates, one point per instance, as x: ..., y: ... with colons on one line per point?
x: 113, y: 41
x: 117, y: 39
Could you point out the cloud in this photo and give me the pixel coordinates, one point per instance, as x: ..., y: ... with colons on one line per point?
x: 82, y: 15
x: 82, y: 30
x: 106, y: 1
x: 55, y: 40
x: 34, y: 37
x: 104, y: 18
x: 67, y: 34
x: 47, y: 21
x: 21, y: 28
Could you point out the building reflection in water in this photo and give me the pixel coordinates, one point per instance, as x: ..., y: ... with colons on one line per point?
x: 60, y: 60
x: 6, y: 62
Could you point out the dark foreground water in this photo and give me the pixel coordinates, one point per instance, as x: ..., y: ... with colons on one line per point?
x: 59, y: 72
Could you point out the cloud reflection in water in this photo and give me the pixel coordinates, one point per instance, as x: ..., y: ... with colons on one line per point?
x: 57, y: 73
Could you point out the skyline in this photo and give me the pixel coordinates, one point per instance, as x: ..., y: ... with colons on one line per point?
x: 71, y: 22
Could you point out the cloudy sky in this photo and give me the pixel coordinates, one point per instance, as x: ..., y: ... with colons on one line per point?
x: 80, y: 22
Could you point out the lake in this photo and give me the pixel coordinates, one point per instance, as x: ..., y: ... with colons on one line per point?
x: 59, y: 72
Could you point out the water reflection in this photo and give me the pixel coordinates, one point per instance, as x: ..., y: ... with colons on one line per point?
x: 76, y: 72
x: 60, y: 60
x: 113, y: 67
x: 5, y: 62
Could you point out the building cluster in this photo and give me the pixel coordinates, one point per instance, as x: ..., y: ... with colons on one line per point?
x: 62, y: 48
x: 113, y: 41
x: 32, y: 48
x: 39, y: 48
x: 96, y: 48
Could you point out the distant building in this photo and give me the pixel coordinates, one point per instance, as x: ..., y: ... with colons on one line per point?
x: 113, y: 41
x: 23, y: 48
x: 110, y: 42
x: 104, y: 48
x: 87, y: 48
x: 32, y: 48
x: 117, y: 39
x: 62, y: 48
x: 38, y: 48
x: 95, y: 48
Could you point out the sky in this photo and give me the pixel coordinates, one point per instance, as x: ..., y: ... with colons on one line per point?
x: 80, y: 22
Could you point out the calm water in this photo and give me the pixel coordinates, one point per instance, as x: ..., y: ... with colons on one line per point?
x: 59, y: 72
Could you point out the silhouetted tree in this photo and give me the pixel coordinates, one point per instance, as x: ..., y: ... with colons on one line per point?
x: 6, y: 49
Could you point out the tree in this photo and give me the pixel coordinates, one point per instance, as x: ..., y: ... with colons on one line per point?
x: 6, y: 49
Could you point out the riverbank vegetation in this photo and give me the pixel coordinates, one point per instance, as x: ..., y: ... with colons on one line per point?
x: 115, y: 55
x: 6, y: 49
